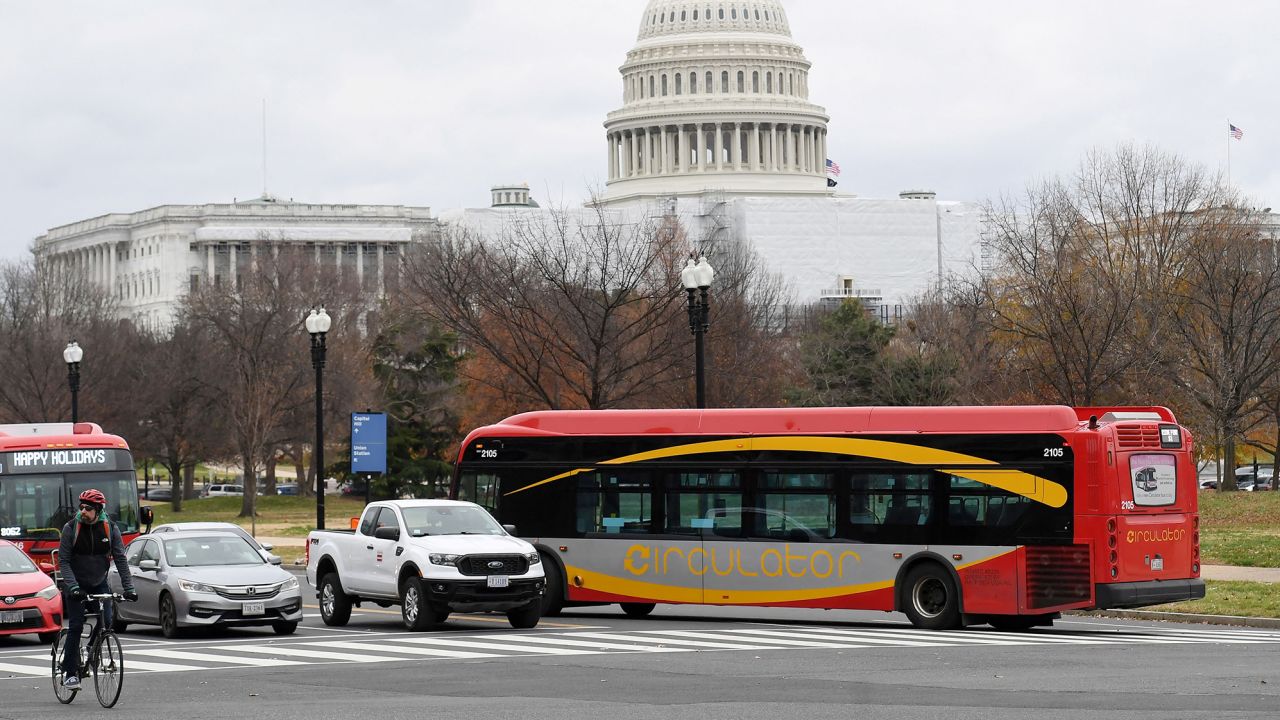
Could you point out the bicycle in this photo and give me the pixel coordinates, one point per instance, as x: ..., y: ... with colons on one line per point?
x: 100, y: 653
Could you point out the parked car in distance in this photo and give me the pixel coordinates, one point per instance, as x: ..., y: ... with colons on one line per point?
x: 201, y: 578
x: 1246, y: 481
x: 431, y: 557
x: 351, y: 489
x: 31, y: 600
x: 1209, y: 484
x: 224, y: 491
x: 287, y: 489
x: 159, y: 492
x: 221, y: 527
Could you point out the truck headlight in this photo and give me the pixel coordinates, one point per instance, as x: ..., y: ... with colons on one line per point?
x: 444, y: 559
x: 534, y: 558
x: 48, y: 593
x: 189, y: 586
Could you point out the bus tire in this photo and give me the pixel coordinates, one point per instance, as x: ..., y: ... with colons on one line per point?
x: 553, y: 593
x: 931, y: 599
x: 1018, y: 622
x: 637, y: 610
x: 335, y: 605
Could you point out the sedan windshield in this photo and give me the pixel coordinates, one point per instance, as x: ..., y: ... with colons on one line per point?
x: 450, y: 520
x: 212, y: 550
x: 13, y: 560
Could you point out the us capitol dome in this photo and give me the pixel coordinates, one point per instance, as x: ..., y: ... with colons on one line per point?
x: 715, y: 95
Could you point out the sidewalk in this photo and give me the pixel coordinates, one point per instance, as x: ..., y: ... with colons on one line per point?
x: 1231, y: 572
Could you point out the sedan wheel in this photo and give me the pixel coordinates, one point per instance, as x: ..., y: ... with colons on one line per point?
x: 169, y: 618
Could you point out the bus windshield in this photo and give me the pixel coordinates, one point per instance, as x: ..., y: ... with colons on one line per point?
x: 34, y: 505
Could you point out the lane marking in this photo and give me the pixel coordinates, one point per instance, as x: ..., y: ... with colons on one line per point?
x: 318, y: 654
x: 865, y: 637
x: 210, y: 657
x: 679, y: 641
x: 746, y: 634
x: 405, y: 650
x: 555, y: 640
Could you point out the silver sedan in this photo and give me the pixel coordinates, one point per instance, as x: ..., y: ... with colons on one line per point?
x: 195, y: 578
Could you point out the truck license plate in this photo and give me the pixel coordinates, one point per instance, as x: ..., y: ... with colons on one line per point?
x: 253, y: 609
x: 16, y: 617
x: 499, y: 581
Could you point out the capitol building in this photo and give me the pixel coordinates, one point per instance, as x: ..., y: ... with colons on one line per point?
x: 716, y: 128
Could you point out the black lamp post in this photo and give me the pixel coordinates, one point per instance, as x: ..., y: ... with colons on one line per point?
x: 73, y: 353
x: 318, y: 325
x: 697, y: 282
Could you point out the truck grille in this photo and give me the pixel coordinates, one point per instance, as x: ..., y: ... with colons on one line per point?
x: 1057, y: 575
x: 493, y: 565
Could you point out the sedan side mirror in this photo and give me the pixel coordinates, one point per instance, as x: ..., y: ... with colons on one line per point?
x: 273, y: 559
x: 511, y: 529
x: 150, y: 565
x: 387, y: 533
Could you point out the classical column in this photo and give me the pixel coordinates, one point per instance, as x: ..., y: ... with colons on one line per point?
x: 360, y: 265
x: 382, y: 267
x: 232, y: 255
x: 111, y: 268
x: 682, y: 148
x: 698, y: 159
x: 753, y: 147
x: 627, y: 154
x: 210, y: 268
x: 666, y: 152
x: 718, y: 146
x: 608, y: 141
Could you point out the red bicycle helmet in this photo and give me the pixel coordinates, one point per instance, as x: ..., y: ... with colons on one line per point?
x: 94, y: 497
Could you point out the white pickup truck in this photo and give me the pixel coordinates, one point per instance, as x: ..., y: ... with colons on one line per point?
x: 431, y: 557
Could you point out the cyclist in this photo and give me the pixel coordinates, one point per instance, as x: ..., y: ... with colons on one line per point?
x: 90, y: 541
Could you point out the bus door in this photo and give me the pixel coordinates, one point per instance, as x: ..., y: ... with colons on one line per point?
x: 702, y: 515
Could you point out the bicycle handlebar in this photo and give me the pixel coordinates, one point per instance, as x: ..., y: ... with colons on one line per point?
x: 104, y: 596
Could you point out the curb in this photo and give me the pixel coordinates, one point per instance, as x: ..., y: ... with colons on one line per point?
x: 1271, y: 623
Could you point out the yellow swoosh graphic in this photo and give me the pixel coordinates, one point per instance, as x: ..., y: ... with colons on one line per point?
x: 1015, y: 481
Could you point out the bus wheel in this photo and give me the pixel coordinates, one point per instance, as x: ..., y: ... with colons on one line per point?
x: 553, y: 593
x: 932, y: 601
x: 637, y: 610
x: 1018, y: 622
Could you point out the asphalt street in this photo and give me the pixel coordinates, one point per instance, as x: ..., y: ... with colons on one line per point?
x: 750, y: 663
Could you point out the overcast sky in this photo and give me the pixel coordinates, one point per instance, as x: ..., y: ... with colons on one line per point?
x: 118, y: 107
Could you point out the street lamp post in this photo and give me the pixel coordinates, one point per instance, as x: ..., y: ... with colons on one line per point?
x: 73, y: 354
x: 318, y: 325
x: 696, y: 279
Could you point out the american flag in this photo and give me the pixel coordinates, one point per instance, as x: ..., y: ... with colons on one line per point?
x: 1236, y: 133
x: 833, y: 167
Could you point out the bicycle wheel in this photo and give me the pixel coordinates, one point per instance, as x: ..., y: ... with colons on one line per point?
x: 63, y: 694
x: 108, y: 669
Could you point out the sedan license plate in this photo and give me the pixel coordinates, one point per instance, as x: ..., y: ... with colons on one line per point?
x: 499, y: 581
x: 13, y: 617
x: 253, y: 609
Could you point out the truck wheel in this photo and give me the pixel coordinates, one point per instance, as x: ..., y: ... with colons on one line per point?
x: 335, y: 605
x: 526, y: 616
x: 415, y: 610
x: 932, y: 601
x: 637, y: 610
x: 553, y: 593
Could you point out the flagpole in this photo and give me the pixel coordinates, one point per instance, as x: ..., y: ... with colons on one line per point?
x: 1228, y: 152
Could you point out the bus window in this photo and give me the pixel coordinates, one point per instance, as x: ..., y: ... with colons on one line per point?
x: 700, y: 501
x: 795, y: 506
x: 481, y: 489
x: 614, y: 502
x: 975, y: 504
x: 893, y: 507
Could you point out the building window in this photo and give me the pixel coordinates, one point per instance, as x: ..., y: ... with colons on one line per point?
x: 755, y: 81
x: 695, y: 13
x: 195, y: 283
x: 679, y: 78
x: 721, y: 13
x: 650, y: 86
x: 710, y: 84
x: 742, y: 77
x: 768, y: 82
x: 693, y: 83
x: 724, y: 81
x: 664, y: 85
x: 681, y: 16
x: 733, y: 12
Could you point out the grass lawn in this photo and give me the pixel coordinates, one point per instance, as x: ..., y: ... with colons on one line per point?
x: 1230, y: 597
x: 1240, y: 528
x: 297, y: 514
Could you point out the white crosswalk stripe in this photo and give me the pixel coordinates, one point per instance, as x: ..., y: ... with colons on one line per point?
x: 181, y: 657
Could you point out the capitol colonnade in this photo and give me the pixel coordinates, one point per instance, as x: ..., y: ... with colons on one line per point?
x: 717, y: 146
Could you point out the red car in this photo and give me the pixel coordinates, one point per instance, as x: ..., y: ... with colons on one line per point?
x: 29, y: 599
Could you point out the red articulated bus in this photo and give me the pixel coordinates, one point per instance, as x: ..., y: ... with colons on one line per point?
x: 951, y: 515
x: 43, y: 469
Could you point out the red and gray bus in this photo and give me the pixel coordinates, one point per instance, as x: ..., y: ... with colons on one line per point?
x: 951, y: 515
x: 43, y: 469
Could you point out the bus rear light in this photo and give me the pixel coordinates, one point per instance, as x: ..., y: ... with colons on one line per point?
x: 1195, y: 568
x: 1111, y: 525
x: 1114, y: 572
x: 1111, y: 540
x: 1195, y: 521
x: 1114, y: 557
x: 1195, y: 538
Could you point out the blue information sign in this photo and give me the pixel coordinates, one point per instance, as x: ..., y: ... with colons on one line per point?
x: 369, y: 443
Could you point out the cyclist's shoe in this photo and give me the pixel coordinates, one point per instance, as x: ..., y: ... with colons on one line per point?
x: 71, y: 682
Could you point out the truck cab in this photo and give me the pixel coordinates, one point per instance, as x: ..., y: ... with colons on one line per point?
x: 430, y: 557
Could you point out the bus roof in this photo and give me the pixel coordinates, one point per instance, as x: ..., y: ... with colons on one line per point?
x: 786, y: 421
x: 25, y: 436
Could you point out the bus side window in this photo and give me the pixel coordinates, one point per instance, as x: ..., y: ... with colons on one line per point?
x: 614, y: 502
x: 481, y: 489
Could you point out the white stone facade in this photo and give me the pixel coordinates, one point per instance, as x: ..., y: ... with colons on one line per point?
x: 150, y: 259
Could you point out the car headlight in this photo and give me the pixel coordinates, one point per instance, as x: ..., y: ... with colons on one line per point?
x: 533, y: 557
x: 48, y: 593
x: 444, y: 559
x: 190, y: 586
x: 290, y: 584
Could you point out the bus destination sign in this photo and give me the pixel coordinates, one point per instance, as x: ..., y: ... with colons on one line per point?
x: 35, y: 461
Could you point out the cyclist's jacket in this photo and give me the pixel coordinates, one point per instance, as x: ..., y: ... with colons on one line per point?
x: 86, y: 551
